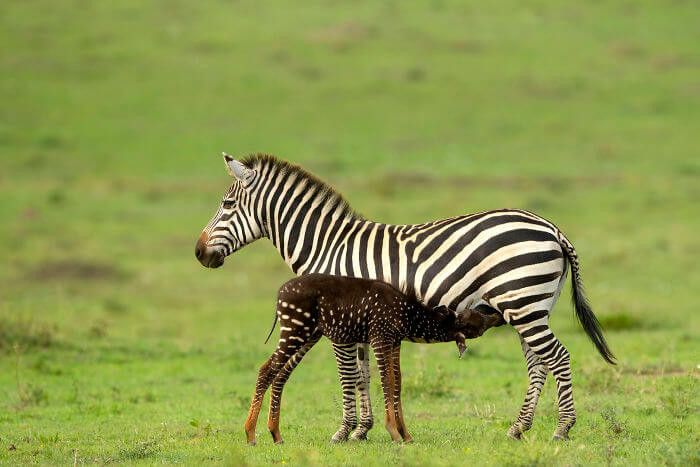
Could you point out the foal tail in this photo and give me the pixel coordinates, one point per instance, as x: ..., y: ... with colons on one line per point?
x: 274, y: 323
x: 583, y: 309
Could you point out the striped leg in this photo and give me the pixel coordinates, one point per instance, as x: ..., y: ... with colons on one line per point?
x: 544, y: 344
x: 273, y: 419
x: 366, y: 418
x: 348, y: 372
x: 537, y: 373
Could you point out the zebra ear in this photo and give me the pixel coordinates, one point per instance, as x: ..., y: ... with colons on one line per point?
x: 237, y: 169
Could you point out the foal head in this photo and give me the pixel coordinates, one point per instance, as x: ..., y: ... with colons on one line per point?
x: 466, y: 324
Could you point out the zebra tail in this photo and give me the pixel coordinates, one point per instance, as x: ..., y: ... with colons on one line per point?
x: 274, y: 323
x: 584, y: 313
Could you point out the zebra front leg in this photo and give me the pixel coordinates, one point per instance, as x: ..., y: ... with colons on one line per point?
x: 537, y: 373
x: 273, y: 419
x: 363, y: 387
x: 348, y: 373
x: 547, y: 347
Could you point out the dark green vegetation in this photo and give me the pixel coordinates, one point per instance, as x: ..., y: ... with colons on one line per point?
x: 116, y: 345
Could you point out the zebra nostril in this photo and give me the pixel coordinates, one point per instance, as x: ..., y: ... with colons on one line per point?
x: 198, y: 252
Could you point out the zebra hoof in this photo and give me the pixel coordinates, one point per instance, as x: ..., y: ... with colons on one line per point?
x: 339, y: 437
x: 560, y: 437
x: 515, y: 434
x: 358, y: 436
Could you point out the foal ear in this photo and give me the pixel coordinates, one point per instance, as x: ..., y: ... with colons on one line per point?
x: 444, y: 314
x: 237, y: 169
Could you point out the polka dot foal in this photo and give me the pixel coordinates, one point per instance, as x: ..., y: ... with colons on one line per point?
x: 349, y: 311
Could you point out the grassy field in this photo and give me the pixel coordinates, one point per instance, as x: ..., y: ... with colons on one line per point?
x: 117, y: 346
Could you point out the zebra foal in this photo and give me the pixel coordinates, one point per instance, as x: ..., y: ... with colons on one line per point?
x: 350, y: 310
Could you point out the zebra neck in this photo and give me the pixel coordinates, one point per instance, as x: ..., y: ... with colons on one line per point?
x: 307, y: 227
x: 315, y: 243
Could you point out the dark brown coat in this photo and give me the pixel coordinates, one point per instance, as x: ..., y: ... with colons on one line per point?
x: 352, y: 310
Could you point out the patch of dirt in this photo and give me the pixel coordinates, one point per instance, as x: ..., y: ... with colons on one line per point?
x: 549, y: 90
x: 658, y: 371
x: 627, y: 50
x: 415, y: 73
x: 76, y: 270
x: 665, y: 62
x: 467, y: 46
x: 515, y: 182
x: 343, y: 35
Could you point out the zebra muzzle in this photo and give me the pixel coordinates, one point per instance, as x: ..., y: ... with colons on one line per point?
x: 210, y: 257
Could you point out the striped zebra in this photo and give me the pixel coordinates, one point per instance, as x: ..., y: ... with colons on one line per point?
x: 509, y: 261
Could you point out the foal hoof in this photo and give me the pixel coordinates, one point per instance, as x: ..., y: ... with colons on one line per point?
x: 252, y: 443
x: 279, y: 442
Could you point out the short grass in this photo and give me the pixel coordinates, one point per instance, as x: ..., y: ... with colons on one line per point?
x: 117, y: 346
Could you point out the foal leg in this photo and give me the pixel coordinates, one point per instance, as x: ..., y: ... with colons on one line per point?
x: 537, y: 373
x: 273, y: 419
x: 267, y: 373
x: 363, y: 387
x: 384, y: 351
x: 398, y: 406
x: 345, y: 357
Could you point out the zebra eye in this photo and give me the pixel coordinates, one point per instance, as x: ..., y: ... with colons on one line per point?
x: 228, y: 203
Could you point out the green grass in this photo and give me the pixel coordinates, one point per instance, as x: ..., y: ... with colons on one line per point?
x: 117, y: 346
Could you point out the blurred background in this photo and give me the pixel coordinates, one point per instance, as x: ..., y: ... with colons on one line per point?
x: 113, y: 116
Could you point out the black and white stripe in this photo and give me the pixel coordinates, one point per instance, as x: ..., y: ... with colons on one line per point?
x: 509, y: 261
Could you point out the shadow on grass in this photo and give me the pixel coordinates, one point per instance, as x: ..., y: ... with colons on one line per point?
x: 26, y: 334
x: 76, y: 270
x: 142, y: 450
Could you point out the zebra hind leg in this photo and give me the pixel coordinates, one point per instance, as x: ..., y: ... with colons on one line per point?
x: 345, y: 357
x: 366, y: 418
x: 537, y: 373
x: 547, y: 347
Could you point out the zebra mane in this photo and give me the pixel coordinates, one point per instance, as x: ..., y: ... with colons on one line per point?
x: 254, y: 161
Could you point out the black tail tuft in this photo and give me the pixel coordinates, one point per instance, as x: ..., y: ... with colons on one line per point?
x: 584, y: 313
x: 588, y: 320
x: 273, y: 328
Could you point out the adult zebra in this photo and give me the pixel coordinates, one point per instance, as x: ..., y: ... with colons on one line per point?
x: 508, y: 261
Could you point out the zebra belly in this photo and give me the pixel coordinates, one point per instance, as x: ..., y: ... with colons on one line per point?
x: 464, y: 262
